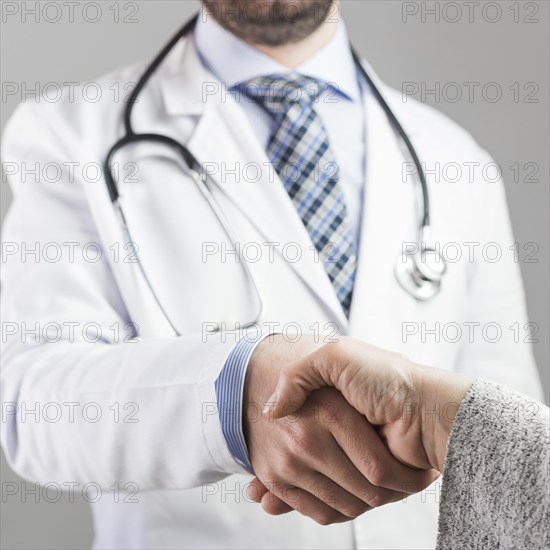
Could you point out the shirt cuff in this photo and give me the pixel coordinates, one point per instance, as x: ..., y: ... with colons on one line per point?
x: 229, y: 388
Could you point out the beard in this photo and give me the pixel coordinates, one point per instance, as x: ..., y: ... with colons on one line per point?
x: 270, y: 22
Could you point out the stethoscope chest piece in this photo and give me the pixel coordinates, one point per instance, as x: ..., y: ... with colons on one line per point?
x: 420, y: 274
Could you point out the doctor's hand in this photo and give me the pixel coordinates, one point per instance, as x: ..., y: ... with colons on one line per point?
x: 326, y: 461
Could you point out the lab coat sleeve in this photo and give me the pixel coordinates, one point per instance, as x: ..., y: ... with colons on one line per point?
x: 500, y: 335
x: 81, y: 402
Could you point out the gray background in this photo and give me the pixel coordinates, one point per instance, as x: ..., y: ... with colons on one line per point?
x: 418, y: 50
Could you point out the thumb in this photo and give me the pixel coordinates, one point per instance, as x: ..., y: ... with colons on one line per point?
x: 296, y: 382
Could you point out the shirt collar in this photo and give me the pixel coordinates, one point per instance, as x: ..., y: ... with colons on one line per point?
x: 232, y: 60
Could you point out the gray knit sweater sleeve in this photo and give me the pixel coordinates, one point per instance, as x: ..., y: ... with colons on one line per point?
x: 495, y: 491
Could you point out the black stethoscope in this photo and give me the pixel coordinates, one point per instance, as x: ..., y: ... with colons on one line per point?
x: 419, y: 273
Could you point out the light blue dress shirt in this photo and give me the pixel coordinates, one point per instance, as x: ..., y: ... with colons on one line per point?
x: 232, y: 61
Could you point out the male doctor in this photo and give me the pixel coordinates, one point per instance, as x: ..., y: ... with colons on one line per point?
x: 148, y: 399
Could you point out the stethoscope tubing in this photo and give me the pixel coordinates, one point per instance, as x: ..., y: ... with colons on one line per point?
x: 201, y: 178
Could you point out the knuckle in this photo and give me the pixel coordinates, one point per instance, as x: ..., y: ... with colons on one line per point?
x: 375, y: 500
x: 330, y: 413
x: 292, y: 495
x: 287, y: 467
x: 271, y: 482
x: 326, y: 518
x: 300, y: 442
x: 353, y: 510
x: 332, y: 350
x: 286, y: 375
x: 377, y: 473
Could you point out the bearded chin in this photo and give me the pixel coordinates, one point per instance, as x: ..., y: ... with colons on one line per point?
x: 270, y: 22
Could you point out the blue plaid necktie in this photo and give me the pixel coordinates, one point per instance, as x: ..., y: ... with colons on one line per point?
x: 301, y: 154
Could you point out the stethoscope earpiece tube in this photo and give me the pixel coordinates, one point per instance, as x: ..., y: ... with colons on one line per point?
x: 410, y: 147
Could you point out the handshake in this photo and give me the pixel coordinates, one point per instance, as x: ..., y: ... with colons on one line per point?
x: 345, y: 426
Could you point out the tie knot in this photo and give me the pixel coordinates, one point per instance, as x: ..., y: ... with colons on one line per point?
x: 278, y: 93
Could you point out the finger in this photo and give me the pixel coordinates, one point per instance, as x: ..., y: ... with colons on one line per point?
x: 360, y: 442
x: 305, y: 503
x: 409, y: 451
x: 328, y: 491
x: 296, y: 382
x: 256, y: 490
x: 274, y: 505
x: 343, y: 472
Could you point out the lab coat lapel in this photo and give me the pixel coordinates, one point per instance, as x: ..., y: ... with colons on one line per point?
x: 388, y: 220
x: 224, y: 142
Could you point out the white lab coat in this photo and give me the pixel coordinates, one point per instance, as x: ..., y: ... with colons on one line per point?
x: 176, y: 446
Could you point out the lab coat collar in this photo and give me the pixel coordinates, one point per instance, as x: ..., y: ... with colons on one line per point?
x: 184, y: 81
